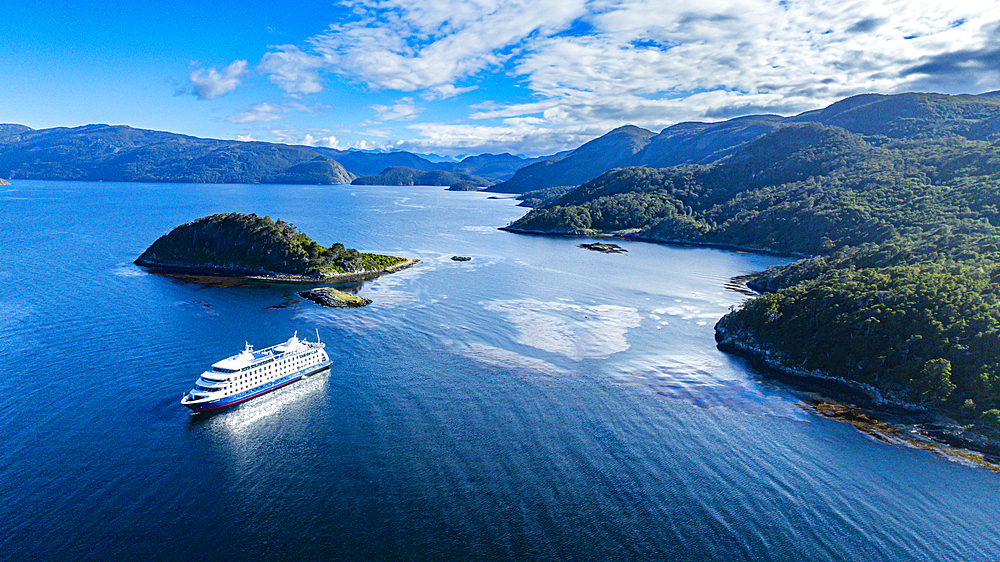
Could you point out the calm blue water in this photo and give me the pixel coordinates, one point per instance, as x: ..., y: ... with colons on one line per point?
x: 540, y: 402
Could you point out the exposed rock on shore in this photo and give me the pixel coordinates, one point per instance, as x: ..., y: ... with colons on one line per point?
x: 604, y: 248
x: 875, y: 404
x: 930, y: 439
x: 328, y: 296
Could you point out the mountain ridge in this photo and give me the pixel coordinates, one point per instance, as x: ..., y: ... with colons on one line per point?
x: 100, y: 152
x: 975, y: 117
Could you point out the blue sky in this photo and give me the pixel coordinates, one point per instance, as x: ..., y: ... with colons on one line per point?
x: 458, y: 77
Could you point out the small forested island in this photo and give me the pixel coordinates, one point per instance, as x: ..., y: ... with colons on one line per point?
x: 894, y: 201
x: 244, y: 245
x: 401, y: 175
x: 464, y: 186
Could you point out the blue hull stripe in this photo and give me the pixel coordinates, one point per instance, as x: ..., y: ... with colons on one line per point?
x: 254, y: 392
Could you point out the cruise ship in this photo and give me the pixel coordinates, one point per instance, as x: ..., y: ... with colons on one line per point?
x: 252, y: 372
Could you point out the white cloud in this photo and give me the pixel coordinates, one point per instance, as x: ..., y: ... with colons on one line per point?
x: 444, y: 138
x: 598, y: 59
x: 257, y: 113
x: 245, y: 138
x: 790, y: 55
x: 293, y: 70
x: 289, y: 136
x: 588, y: 66
x: 329, y: 142
x: 209, y: 84
x: 263, y: 112
x: 403, y: 109
x: 407, y: 46
x: 446, y: 91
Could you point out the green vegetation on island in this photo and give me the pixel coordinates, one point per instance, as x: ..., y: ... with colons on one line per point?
x: 400, y: 175
x: 544, y: 196
x: 464, y: 186
x: 896, y: 197
x: 240, y: 244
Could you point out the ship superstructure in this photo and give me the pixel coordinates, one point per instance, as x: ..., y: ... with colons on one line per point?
x: 251, y: 373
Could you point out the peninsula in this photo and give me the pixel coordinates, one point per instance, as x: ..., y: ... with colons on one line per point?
x: 243, y: 245
x: 892, y: 201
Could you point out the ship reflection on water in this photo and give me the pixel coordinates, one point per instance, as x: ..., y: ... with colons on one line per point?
x: 239, y: 418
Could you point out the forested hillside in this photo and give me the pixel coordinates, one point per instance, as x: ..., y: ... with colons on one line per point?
x: 401, y: 175
x: 120, y: 153
x: 903, y: 293
x: 117, y: 153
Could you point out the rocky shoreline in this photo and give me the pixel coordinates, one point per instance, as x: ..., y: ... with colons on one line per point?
x: 672, y: 242
x: 169, y: 268
x: 603, y: 248
x: 901, y: 433
x: 340, y: 278
x: 968, y: 440
x: 873, y: 411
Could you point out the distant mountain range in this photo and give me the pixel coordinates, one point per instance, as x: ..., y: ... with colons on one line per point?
x: 122, y: 153
x: 587, y: 162
x: 805, y: 184
x: 892, y: 116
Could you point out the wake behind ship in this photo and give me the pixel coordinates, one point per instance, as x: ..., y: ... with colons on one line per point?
x: 251, y: 373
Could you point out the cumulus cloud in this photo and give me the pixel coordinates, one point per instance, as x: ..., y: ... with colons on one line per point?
x: 293, y: 70
x: 403, y: 109
x: 970, y: 69
x: 291, y: 136
x: 406, y: 46
x: 587, y: 66
x: 445, y: 91
x: 517, y: 137
x: 210, y: 83
x: 257, y: 113
x: 264, y: 112
x: 329, y: 142
x: 866, y: 25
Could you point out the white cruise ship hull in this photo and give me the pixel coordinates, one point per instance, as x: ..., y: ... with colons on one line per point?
x: 251, y: 393
x: 250, y: 373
